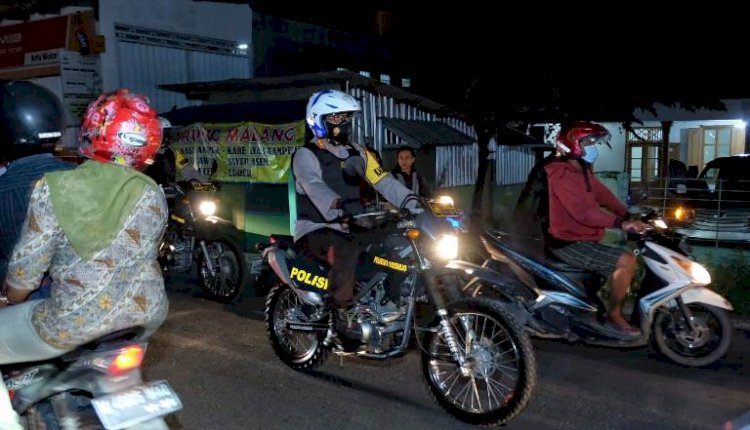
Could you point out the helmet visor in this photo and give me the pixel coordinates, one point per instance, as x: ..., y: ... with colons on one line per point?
x: 596, y: 139
x: 338, y: 118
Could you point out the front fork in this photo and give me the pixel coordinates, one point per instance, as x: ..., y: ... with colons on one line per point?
x: 446, y: 328
x: 686, y: 314
x: 207, y: 256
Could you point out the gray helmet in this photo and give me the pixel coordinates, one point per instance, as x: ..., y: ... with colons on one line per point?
x: 32, y: 119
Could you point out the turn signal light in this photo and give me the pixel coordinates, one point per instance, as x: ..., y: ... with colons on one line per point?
x: 412, y: 234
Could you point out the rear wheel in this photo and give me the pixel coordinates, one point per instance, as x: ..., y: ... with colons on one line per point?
x: 74, y: 412
x: 496, y: 381
x: 300, y: 350
x: 703, y: 346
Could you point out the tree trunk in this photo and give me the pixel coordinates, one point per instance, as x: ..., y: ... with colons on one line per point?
x: 478, y: 211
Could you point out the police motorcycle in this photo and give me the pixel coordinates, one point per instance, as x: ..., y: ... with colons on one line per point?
x: 677, y: 313
x: 477, y: 361
x: 97, y: 385
x: 196, y: 236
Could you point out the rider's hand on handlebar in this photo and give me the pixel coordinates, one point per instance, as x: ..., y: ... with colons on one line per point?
x: 352, y: 208
x: 634, y: 226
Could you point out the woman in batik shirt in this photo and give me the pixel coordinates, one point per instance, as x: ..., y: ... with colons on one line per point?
x: 96, y: 229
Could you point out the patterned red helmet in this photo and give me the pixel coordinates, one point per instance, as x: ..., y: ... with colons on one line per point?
x: 120, y: 128
x: 576, y: 135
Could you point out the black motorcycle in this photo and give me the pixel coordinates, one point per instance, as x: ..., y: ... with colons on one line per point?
x: 95, y: 386
x: 476, y: 360
x: 196, y: 236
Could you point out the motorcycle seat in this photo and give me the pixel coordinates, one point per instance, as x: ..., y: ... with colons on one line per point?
x: 125, y: 335
x: 560, y: 266
x: 121, y: 336
x: 535, y: 249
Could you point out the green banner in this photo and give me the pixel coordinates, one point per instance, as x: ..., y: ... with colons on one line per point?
x: 246, y: 152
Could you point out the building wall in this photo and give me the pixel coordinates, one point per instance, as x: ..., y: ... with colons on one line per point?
x: 207, y: 19
x: 612, y: 159
x: 286, y: 47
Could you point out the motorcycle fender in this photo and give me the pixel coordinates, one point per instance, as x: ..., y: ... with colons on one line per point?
x: 707, y: 296
x: 220, y: 230
x: 277, y: 260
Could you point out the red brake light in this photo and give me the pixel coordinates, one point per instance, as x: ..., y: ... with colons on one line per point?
x: 127, y: 359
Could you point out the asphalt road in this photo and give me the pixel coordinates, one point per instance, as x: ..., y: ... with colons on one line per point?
x: 218, y: 359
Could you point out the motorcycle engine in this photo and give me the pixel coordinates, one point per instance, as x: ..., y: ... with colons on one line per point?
x: 378, y: 334
x: 176, y: 251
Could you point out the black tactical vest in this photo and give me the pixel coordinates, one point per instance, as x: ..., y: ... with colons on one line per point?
x: 332, y: 169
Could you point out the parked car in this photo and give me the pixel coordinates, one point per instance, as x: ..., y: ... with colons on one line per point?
x: 716, y: 204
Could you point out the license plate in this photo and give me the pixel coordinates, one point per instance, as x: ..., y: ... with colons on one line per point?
x: 135, y: 405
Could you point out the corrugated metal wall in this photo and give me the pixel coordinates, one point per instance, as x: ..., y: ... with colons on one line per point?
x: 143, y: 67
x: 512, y: 164
x: 454, y: 165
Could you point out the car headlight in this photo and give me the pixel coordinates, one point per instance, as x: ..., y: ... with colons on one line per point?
x: 697, y: 273
x: 207, y: 207
x: 680, y: 213
x: 683, y: 214
x: 447, y: 247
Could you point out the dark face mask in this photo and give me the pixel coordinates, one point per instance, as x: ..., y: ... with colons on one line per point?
x: 344, y: 131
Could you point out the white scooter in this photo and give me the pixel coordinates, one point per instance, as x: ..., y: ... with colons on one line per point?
x: 686, y: 321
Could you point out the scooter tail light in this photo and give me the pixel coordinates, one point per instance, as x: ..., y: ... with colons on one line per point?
x: 127, y: 359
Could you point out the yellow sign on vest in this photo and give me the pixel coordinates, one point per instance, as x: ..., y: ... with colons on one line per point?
x: 374, y: 172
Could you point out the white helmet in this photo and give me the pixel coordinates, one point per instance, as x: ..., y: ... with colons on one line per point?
x: 326, y: 102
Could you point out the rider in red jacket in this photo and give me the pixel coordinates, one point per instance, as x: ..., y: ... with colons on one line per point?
x: 577, y: 221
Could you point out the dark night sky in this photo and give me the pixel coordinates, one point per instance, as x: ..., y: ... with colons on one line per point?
x: 529, y: 53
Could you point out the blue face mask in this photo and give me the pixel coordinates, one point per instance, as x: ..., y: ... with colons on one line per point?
x: 591, y: 154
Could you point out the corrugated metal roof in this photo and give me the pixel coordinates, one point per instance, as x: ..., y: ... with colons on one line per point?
x: 426, y: 133
x: 262, y: 89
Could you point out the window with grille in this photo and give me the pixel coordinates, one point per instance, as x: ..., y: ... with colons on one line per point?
x: 642, y: 156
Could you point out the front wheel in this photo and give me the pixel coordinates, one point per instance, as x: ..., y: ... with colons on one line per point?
x: 227, y: 274
x: 706, y: 344
x: 498, y: 376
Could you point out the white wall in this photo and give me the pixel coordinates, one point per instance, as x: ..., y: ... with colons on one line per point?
x: 679, y: 131
x: 208, y: 19
x: 612, y: 160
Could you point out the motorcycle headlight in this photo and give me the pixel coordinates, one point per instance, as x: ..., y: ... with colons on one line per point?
x: 447, y: 247
x: 207, y: 207
x: 659, y: 223
x: 445, y: 200
x: 697, y: 273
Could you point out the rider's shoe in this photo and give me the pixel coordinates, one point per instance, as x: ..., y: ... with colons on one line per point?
x: 348, y: 330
